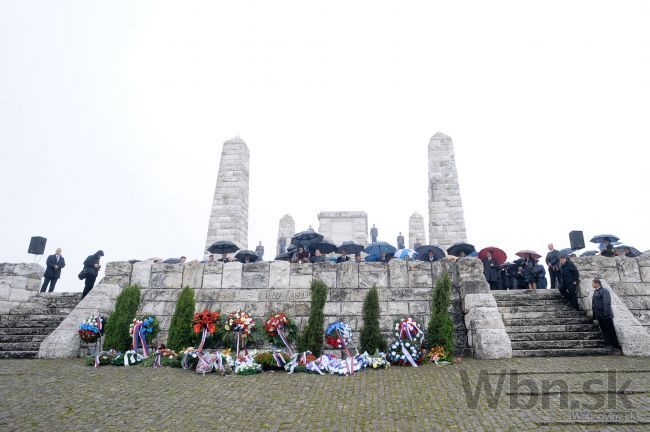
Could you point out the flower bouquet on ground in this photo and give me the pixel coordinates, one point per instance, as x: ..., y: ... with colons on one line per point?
x: 239, y: 327
x: 299, y: 362
x: 375, y: 361
x: 143, y: 332
x: 272, y: 360
x: 163, y: 356
x: 91, y: 329
x: 205, y: 322
x: 101, y: 359
x: 247, y: 366
x: 439, y: 356
x: 128, y: 358
x: 281, y: 330
x: 215, y: 361
x: 407, y: 349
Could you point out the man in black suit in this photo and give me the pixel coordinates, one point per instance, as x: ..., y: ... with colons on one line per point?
x: 53, y: 267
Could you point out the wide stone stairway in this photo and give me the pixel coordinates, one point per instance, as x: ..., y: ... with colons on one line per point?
x: 25, y: 326
x: 540, y: 324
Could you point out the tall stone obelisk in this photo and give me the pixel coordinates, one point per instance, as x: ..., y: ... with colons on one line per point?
x: 446, y: 217
x: 229, y: 216
x: 416, y: 230
x: 286, y: 230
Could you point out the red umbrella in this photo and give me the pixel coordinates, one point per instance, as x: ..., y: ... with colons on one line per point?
x: 528, y: 254
x: 498, y: 255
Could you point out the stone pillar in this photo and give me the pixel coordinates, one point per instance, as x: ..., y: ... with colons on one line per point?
x: 286, y: 230
x: 416, y: 230
x: 446, y: 217
x: 229, y: 216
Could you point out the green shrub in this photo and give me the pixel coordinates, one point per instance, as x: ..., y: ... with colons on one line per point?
x: 440, y: 331
x: 117, y: 327
x: 181, y: 334
x: 371, y: 338
x: 311, y: 338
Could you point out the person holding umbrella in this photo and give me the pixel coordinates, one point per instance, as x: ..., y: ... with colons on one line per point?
x: 224, y: 258
x: 344, y: 257
x: 300, y: 256
x: 491, y: 270
x: 317, y: 257
x: 569, y: 279
x: 608, y: 250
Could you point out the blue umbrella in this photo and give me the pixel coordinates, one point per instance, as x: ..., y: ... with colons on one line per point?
x: 324, y: 246
x: 377, y: 248
x: 372, y: 258
x: 474, y: 254
x: 600, y: 238
x: 307, y: 237
x: 404, y: 253
x: 635, y: 252
x: 589, y: 253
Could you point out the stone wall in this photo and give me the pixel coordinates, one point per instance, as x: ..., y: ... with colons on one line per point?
x: 628, y: 280
x: 229, y: 215
x: 446, y: 216
x: 405, y: 288
x: 18, y: 283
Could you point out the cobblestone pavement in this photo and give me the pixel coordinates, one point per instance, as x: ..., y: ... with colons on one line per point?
x: 68, y: 395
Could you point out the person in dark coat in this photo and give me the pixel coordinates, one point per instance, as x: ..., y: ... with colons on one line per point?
x: 540, y: 276
x: 553, y: 263
x: 91, y: 267
x: 430, y: 256
x: 317, y: 257
x: 53, y: 267
x: 343, y: 257
x: 608, y: 251
x: 529, y: 274
x: 569, y: 279
x: 491, y: 270
x: 601, y: 306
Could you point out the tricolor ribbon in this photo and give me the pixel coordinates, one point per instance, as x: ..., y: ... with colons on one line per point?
x: 284, y: 340
x: 139, y: 338
x: 406, y: 328
x: 408, y: 356
x: 279, y: 360
x: 203, y: 336
x: 349, y: 361
x: 157, y: 360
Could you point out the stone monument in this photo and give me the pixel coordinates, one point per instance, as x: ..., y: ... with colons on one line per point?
x: 259, y: 251
x: 229, y: 216
x: 374, y: 232
x: 286, y: 230
x: 446, y: 217
x: 340, y: 226
x: 416, y: 230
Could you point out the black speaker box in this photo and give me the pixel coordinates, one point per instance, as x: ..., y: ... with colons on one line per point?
x: 577, y: 240
x: 37, y: 245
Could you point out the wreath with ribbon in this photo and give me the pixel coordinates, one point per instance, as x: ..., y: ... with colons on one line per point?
x: 281, y: 330
x: 91, y: 329
x: 239, y: 327
x: 205, y: 322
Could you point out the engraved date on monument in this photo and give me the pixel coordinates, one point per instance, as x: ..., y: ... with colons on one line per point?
x: 291, y: 295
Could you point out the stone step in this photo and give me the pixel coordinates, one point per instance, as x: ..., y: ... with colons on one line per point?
x: 549, y: 328
x: 20, y: 346
x: 546, y: 320
x: 9, y: 338
x: 18, y: 354
x: 552, y: 336
x: 536, y: 308
x: 514, y: 294
x: 27, y: 330
x: 544, y: 315
x: 557, y: 344
x: 40, y: 309
x: 571, y: 352
x: 30, y: 320
x: 531, y: 302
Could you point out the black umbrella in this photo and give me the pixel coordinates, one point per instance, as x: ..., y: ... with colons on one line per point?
x: 222, y: 247
x: 324, y: 246
x: 172, y: 261
x: 133, y: 261
x: 305, y: 238
x: 350, y: 247
x: 459, y: 247
x: 423, y: 252
x: 283, y: 257
x: 589, y: 253
x: 242, y: 254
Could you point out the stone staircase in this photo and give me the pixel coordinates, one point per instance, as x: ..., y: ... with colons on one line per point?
x: 540, y: 324
x: 25, y: 326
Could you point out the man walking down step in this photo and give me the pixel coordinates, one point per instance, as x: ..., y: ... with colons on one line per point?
x: 53, y: 267
x: 601, y: 306
x: 569, y: 279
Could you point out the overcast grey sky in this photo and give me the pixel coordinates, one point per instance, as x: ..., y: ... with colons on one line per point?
x: 112, y: 116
